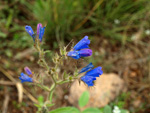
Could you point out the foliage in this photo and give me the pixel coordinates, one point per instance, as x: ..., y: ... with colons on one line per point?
x: 51, y: 70
x: 65, y: 110
x: 120, y: 100
x: 109, y: 18
x: 114, y: 19
x: 12, y: 16
x: 82, y: 102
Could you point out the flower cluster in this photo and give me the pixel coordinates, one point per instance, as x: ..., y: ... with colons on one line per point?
x: 80, y: 49
x: 26, y: 78
x: 91, y: 74
x: 40, y: 31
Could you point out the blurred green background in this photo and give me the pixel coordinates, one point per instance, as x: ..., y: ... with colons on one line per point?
x: 117, y: 26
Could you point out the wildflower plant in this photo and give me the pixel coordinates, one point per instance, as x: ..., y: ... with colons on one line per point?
x: 80, y: 50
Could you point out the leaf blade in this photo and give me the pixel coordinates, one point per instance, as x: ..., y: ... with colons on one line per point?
x: 84, y: 98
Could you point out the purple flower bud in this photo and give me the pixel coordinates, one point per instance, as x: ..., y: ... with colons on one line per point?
x: 85, y: 52
x: 28, y: 71
x: 38, y: 28
x: 82, y: 44
x: 80, y: 53
x: 40, y: 31
x: 25, y: 78
x: 87, y: 68
x: 80, y: 50
x: 95, y: 72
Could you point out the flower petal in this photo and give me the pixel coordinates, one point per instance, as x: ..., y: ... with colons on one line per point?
x: 95, y: 72
x: 28, y: 71
x: 73, y: 54
x: 89, y: 80
x: 29, y: 30
x: 86, y: 68
x: 82, y: 44
x: 25, y: 78
x: 41, y: 33
x: 85, y: 52
x: 38, y: 28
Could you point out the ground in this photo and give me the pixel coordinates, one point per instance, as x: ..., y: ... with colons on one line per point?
x: 130, y: 61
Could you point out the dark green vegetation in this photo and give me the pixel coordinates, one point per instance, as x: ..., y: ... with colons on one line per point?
x: 64, y: 19
x: 115, y: 27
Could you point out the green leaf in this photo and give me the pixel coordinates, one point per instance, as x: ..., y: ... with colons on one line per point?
x: 65, y: 75
x: 49, y: 105
x: 84, y: 98
x: 107, y: 109
x: 9, y: 53
x: 91, y: 110
x: 40, y: 99
x: 47, y: 51
x: 38, y: 106
x: 120, y: 104
x: 3, y: 35
x: 65, y: 110
x: 124, y: 111
x: 101, y: 110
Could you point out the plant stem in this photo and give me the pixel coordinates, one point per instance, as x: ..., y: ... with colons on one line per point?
x: 43, y: 63
x: 51, y: 93
x: 41, y: 55
x: 53, y: 88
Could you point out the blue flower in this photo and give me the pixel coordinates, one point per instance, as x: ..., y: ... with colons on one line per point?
x: 74, y: 54
x: 80, y: 53
x: 89, y: 80
x: 91, y: 75
x: 40, y: 31
x: 30, y: 31
x: 25, y: 78
x: 86, y: 68
x: 80, y: 49
x: 95, y: 72
x: 82, y: 44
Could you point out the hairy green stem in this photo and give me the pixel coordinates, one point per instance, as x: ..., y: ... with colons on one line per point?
x: 44, y: 64
x: 41, y: 55
x: 51, y: 93
x: 53, y: 88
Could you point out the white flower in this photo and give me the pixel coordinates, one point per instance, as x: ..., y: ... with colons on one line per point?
x: 116, y: 110
x: 116, y: 21
x: 147, y: 32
